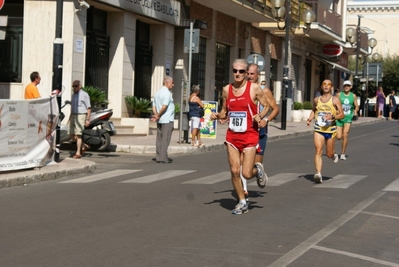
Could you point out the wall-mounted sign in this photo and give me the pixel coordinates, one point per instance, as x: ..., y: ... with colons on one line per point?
x: 332, y: 50
x: 163, y: 10
x: 2, y: 3
x: 79, y: 46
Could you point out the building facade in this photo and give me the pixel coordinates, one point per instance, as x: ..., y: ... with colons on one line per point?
x: 379, y: 21
x: 127, y: 47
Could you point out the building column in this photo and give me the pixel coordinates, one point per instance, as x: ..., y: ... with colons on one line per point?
x: 122, y: 27
x: 162, y: 41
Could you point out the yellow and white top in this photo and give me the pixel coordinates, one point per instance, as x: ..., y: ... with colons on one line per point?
x: 322, y: 109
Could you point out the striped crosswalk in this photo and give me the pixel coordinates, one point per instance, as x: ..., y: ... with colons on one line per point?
x: 193, y: 177
x: 394, y: 186
x: 158, y: 177
x: 342, y: 181
x: 100, y: 176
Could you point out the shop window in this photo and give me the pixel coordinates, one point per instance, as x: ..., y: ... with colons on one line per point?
x: 198, y: 65
x: 222, y: 70
x: 11, y: 46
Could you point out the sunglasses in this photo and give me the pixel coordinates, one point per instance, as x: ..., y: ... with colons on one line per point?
x: 74, y: 86
x: 329, y: 84
x: 240, y: 71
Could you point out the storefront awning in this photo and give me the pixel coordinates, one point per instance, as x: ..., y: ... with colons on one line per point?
x: 334, y: 65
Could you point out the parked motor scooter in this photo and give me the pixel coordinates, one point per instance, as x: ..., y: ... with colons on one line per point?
x: 98, y: 134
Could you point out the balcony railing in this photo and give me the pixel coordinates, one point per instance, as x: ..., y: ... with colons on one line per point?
x: 328, y: 18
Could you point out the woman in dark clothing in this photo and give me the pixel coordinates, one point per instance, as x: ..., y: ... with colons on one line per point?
x: 195, y: 108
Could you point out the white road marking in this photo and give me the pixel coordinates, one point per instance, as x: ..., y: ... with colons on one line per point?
x: 99, y: 176
x: 381, y: 215
x: 158, y: 177
x: 394, y: 186
x: 357, y: 256
x: 211, y: 179
x: 342, y: 181
x: 326, y: 231
x: 279, y: 179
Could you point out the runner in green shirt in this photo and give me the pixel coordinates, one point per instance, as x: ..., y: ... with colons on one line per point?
x: 350, y: 108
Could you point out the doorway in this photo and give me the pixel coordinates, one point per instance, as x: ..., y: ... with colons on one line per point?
x: 97, y: 50
x: 143, y: 62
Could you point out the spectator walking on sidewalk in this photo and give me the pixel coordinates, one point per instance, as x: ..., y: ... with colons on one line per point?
x: 392, y: 104
x: 195, y: 109
x: 326, y: 110
x: 80, y: 117
x: 350, y: 109
x: 380, y: 103
x: 239, y: 108
x: 164, y: 115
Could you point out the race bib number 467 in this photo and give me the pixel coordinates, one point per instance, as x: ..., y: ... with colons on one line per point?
x: 238, y: 121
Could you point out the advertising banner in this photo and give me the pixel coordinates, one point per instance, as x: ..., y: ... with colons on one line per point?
x: 27, y: 132
x: 208, y: 127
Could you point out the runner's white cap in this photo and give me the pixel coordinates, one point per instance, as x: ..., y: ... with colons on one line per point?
x: 347, y: 83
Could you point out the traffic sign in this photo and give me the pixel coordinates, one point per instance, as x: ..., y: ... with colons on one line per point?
x: 257, y: 59
x: 195, y: 41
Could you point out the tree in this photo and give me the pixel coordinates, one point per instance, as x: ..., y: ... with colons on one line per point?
x: 390, y: 70
x: 390, y: 74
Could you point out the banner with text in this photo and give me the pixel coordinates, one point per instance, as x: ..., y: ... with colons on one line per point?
x: 27, y: 132
x: 208, y: 127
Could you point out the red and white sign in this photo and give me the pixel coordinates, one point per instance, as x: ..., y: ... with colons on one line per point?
x: 332, y: 50
x: 2, y: 3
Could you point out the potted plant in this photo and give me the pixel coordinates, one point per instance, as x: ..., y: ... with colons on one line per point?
x: 297, y: 112
x: 307, y: 109
x: 177, y: 111
x: 139, y: 107
x: 98, y: 97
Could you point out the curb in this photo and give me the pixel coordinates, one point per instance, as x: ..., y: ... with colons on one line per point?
x: 49, y: 172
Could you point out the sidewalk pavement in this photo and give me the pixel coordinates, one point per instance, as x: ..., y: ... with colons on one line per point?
x: 145, y: 145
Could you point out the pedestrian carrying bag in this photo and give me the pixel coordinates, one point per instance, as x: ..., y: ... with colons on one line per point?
x: 201, y: 112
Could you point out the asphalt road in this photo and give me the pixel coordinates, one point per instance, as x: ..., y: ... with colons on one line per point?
x: 134, y: 212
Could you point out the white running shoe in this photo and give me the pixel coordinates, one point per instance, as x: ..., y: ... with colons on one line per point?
x: 343, y: 157
x: 335, y: 158
x: 318, y: 179
x: 240, y: 208
x: 261, y: 178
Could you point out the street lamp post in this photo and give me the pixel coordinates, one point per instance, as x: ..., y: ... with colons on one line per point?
x: 372, y: 42
x: 358, y: 37
x: 58, y: 50
x: 365, y: 61
x: 281, y: 10
x: 376, y: 57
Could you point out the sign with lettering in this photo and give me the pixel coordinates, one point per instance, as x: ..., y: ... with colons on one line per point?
x: 27, y: 132
x: 332, y: 50
x: 163, y: 10
x: 208, y: 126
